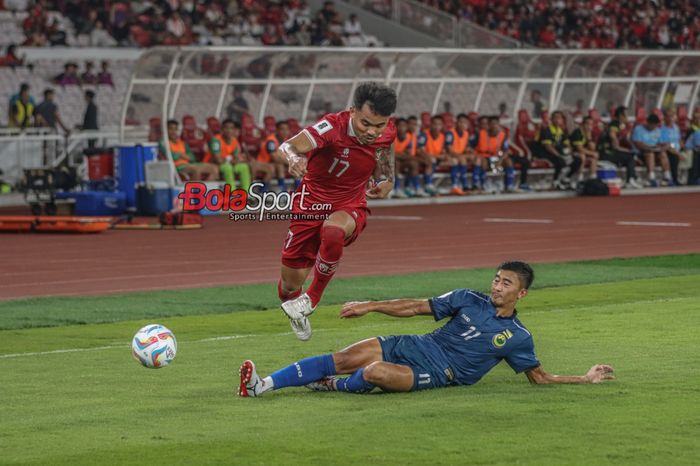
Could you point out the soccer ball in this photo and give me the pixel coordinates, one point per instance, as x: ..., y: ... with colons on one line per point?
x: 154, y: 346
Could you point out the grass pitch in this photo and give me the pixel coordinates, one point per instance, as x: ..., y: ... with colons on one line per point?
x: 83, y: 400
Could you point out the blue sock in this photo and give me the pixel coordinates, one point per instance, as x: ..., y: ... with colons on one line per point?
x: 415, y: 182
x: 281, y: 184
x: 397, y: 183
x: 428, y: 178
x: 356, y: 383
x: 265, y: 187
x: 463, y: 175
x: 476, y: 176
x: 510, y: 177
x: 482, y: 178
x: 454, y: 174
x: 305, y: 371
x: 297, y: 182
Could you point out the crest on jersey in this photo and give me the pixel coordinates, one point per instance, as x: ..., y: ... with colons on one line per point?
x: 346, y: 152
x: 322, y: 127
x: 499, y: 340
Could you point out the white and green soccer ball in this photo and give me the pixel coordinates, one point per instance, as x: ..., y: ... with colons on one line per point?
x: 154, y: 346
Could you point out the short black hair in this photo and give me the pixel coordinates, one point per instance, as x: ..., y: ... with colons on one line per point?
x: 585, y: 119
x: 619, y: 111
x: 462, y: 115
x: 227, y: 121
x: 522, y: 269
x: 653, y: 119
x: 436, y: 117
x: 89, y: 94
x: 400, y: 120
x: 280, y: 123
x: 494, y: 118
x: 23, y: 87
x: 47, y: 92
x: 412, y: 117
x: 380, y: 98
x: 173, y: 122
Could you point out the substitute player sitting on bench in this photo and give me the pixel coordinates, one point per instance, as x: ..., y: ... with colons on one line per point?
x: 185, y: 163
x: 482, y: 330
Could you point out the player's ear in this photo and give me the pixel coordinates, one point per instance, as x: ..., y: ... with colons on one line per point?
x: 522, y: 293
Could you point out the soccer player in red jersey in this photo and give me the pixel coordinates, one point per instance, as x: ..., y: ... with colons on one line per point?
x: 337, y: 156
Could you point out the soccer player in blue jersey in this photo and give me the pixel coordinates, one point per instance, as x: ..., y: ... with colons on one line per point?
x: 482, y: 330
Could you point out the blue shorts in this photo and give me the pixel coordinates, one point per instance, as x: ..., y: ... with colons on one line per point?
x: 427, y: 360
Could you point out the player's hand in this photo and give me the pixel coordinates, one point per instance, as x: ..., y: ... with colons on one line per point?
x: 297, y: 166
x: 599, y: 373
x: 355, y: 309
x: 380, y: 190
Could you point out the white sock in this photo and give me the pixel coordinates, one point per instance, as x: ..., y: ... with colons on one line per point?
x: 652, y: 175
x: 267, y: 384
x: 667, y: 175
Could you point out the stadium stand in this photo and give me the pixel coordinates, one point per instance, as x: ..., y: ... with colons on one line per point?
x: 577, y: 24
x: 145, y: 24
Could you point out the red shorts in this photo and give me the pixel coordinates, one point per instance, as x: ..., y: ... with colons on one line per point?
x: 304, y: 238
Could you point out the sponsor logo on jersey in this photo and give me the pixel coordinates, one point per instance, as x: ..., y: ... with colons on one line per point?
x: 322, y: 127
x: 499, y: 340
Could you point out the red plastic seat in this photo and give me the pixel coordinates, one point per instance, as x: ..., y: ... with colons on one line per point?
x: 641, y: 115
x: 425, y: 120
x: 449, y: 120
x: 213, y: 126
x: 269, y: 124
x: 195, y: 137
x: 294, y: 126
x: 155, y: 130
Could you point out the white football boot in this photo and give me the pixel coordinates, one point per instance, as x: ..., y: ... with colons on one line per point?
x: 251, y: 383
x: 298, y: 310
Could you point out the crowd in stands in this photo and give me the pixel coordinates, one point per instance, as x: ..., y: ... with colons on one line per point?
x: 586, y: 24
x: 184, y: 22
x: 467, y: 146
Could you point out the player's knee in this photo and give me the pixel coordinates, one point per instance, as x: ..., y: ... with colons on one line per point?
x: 375, y: 373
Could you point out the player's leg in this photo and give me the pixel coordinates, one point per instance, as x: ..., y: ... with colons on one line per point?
x: 242, y: 171
x: 464, y: 161
x: 509, y: 172
x: 226, y: 170
x: 308, y: 370
x: 280, y: 170
x: 453, y: 163
x: 339, y: 226
x: 576, y: 167
x: 650, y: 162
x: 665, y: 166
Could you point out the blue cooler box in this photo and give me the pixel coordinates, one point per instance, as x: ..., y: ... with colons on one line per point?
x: 153, y: 199
x: 96, y: 202
x: 129, y: 168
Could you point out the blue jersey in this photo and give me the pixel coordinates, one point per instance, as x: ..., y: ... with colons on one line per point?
x: 671, y: 135
x: 475, y: 339
x: 645, y: 136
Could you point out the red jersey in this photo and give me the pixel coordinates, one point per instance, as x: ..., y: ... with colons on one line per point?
x: 339, y: 166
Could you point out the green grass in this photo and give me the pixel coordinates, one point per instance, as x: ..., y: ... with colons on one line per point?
x: 98, y: 406
x: 50, y: 312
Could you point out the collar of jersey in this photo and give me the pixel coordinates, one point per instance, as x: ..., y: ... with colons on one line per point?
x: 351, y: 131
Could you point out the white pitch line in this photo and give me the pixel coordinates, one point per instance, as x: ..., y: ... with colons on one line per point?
x: 396, y: 217
x: 203, y: 340
x: 518, y: 220
x: 654, y: 224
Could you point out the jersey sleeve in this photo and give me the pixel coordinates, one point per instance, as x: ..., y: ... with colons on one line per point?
x: 323, y: 132
x: 546, y: 136
x: 449, y: 139
x: 446, y: 305
x: 577, y: 138
x: 421, y: 140
x: 637, y: 134
x: 522, y: 357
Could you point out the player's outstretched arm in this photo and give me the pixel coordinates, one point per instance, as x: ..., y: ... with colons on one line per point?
x: 394, y: 307
x: 292, y: 151
x: 596, y: 374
